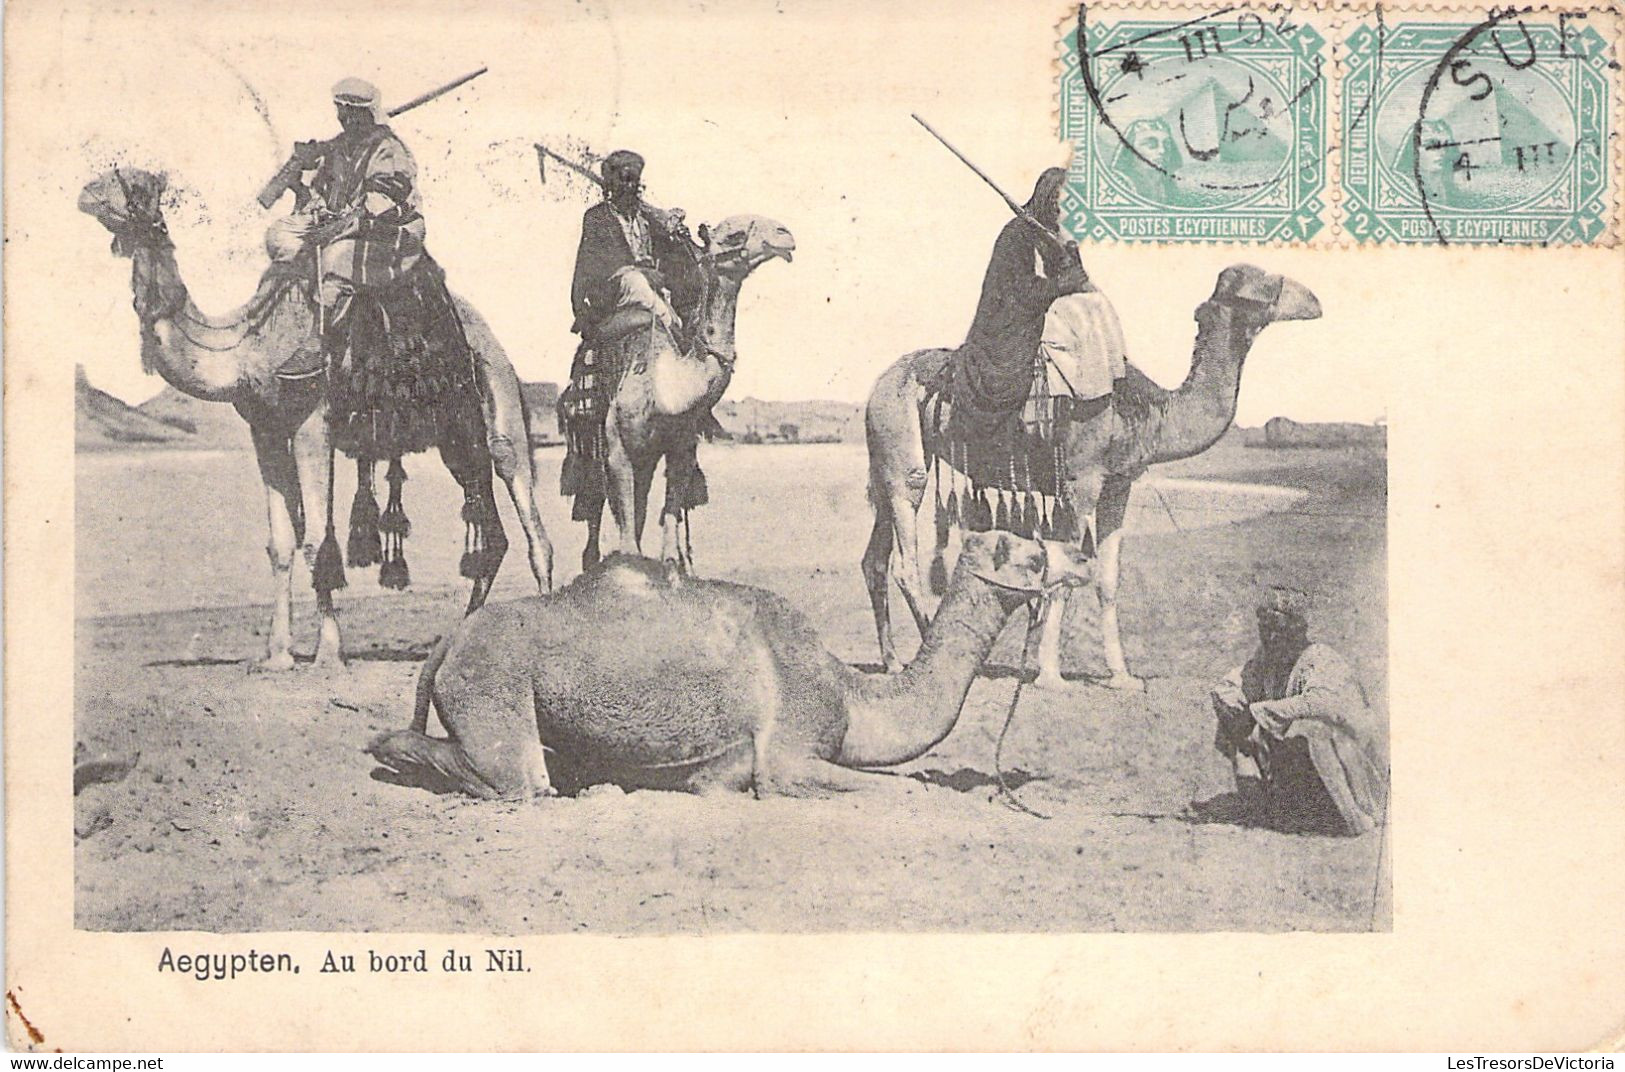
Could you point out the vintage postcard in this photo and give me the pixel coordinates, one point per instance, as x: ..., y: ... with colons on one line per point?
x: 814, y: 525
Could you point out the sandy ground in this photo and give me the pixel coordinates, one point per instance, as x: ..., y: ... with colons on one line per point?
x: 253, y: 807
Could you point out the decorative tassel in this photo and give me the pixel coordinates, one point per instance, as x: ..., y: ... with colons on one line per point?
x: 474, y: 538
x: 327, y: 572
x: 394, y: 572
x: 954, y: 516
x: 938, y: 574
x: 364, y: 546
x: 1029, y: 517
x: 1066, y: 522
x: 982, y: 512
x: 1001, y: 519
x: 394, y: 528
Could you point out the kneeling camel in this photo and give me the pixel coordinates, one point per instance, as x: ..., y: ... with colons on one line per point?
x: 634, y: 676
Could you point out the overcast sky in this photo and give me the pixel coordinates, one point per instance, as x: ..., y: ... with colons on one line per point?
x: 801, y: 115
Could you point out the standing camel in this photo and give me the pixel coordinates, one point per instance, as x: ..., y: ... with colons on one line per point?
x: 244, y: 358
x: 1100, y: 459
x: 664, y: 395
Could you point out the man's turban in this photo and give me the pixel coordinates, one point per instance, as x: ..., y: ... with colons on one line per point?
x: 355, y: 93
x: 622, y: 160
x: 1280, y: 602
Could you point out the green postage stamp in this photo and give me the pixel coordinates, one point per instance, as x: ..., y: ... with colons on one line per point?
x: 1197, y: 125
x: 1487, y: 128
x: 1342, y: 123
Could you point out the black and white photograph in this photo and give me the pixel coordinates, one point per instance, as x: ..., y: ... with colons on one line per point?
x: 492, y: 475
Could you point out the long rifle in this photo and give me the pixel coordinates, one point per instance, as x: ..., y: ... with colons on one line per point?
x: 1021, y: 213
x: 544, y: 154
x: 290, y: 175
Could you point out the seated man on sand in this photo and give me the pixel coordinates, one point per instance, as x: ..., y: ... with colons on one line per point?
x: 1294, y: 722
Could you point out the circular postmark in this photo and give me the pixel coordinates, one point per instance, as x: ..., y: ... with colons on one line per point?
x: 1202, y: 113
x: 1493, y: 127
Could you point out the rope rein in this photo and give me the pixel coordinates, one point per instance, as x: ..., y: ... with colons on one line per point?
x: 1006, y: 794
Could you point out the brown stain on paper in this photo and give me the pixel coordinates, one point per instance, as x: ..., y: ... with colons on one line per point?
x: 33, y: 1032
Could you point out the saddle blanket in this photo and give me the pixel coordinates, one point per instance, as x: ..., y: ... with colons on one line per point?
x: 1083, y: 346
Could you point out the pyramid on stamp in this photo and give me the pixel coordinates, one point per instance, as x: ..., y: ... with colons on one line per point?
x: 1503, y: 115
x: 1211, y: 118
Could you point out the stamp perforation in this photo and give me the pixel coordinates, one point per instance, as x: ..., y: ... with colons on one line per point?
x: 1595, y: 214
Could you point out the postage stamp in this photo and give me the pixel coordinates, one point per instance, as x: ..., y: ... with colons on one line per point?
x: 1479, y: 129
x: 1208, y: 125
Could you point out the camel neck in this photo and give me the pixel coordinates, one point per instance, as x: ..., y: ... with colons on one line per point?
x: 717, y: 333
x: 1201, y: 409
x: 214, y: 359
x: 898, y: 718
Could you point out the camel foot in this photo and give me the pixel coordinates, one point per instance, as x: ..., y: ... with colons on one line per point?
x: 894, y: 665
x: 330, y: 660
x: 1051, y: 682
x: 272, y: 664
x: 1125, y: 682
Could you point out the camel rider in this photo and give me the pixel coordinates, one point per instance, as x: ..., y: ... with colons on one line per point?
x: 401, y: 375
x: 1294, y: 722
x: 362, y: 215
x: 1037, y: 299
x: 634, y: 267
x: 623, y: 276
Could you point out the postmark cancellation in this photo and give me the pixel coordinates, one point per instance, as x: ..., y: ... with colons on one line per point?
x: 1341, y: 124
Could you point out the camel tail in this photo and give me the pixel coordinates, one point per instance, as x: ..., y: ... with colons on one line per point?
x: 409, y: 751
x: 425, y: 693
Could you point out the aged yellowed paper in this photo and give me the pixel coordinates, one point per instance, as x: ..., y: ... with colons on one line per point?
x: 1170, y: 599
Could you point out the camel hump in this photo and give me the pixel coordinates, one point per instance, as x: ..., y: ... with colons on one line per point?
x: 632, y: 573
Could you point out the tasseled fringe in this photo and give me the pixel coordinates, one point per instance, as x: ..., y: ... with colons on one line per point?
x: 473, y: 537
x: 982, y: 512
x: 1065, y: 523
x: 1001, y: 517
x: 1026, y: 521
x: 365, y: 549
x: 394, y: 527
x: 327, y: 572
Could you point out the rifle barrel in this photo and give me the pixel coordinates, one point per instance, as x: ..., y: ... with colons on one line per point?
x: 1021, y: 212
x: 425, y: 98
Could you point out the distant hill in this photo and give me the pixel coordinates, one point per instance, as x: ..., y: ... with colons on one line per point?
x: 172, y: 419
x: 214, y: 425
x: 102, y: 422
x: 1283, y: 432
x: 756, y: 420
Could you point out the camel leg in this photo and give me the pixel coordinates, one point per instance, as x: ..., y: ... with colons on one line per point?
x: 876, y: 570
x: 282, y: 507
x: 313, y: 458
x: 1109, y: 514
x: 905, y: 513
x: 811, y: 777
x: 643, y: 478
x: 474, y: 476
x: 681, y: 465
x: 620, y: 480
x: 591, y: 555
x: 1083, y: 493
x: 508, y: 441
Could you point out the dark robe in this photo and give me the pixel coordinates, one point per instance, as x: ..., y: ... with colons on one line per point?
x: 993, y: 370
x: 604, y: 251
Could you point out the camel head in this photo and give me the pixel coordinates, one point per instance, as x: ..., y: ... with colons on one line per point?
x: 1261, y: 297
x: 741, y: 244
x: 1020, y: 565
x: 129, y: 203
